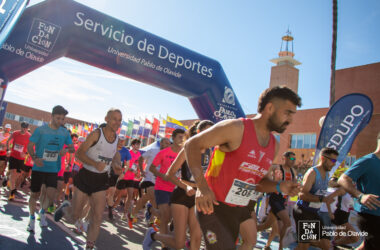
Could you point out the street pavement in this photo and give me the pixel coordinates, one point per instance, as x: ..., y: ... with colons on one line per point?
x: 14, y: 218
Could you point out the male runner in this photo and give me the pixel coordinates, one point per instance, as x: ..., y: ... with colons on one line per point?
x: 18, y: 152
x: 243, y: 154
x: 278, y: 202
x: 366, y: 174
x: 46, y: 149
x: 96, y: 153
x: 313, y: 194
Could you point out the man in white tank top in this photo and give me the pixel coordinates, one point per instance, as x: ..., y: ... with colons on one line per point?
x: 98, y: 153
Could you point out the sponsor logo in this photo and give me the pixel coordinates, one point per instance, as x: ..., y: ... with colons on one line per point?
x: 253, y: 169
x: 224, y: 113
x: 43, y: 34
x: 229, y: 96
x: 308, y: 230
x: 252, y: 154
x: 211, y: 237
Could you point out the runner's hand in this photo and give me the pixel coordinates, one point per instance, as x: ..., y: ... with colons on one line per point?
x: 331, y: 215
x: 205, y: 201
x: 290, y: 188
x: 143, y: 174
x: 328, y: 199
x: 371, y: 201
x: 100, y: 166
x: 190, y: 191
x: 63, y: 151
x: 39, y: 162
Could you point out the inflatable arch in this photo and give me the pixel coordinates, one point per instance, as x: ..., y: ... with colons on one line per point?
x: 57, y: 28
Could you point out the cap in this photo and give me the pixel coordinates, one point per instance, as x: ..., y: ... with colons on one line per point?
x: 7, y: 125
x: 122, y: 137
x: 59, y: 110
x: 24, y: 125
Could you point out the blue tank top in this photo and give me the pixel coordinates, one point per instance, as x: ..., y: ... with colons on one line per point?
x: 319, y: 188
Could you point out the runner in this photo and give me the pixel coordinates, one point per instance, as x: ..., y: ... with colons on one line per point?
x: 365, y: 173
x: 125, y: 157
x: 70, y: 158
x: 182, y: 201
x: 98, y: 153
x: 278, y: 202
x: 149, y: 180
x: 3, y: 152
x: 163, y: 188
x: 46, y: 148
x: 313, y: 194
x: 243, y: 154
x: 16, y: 160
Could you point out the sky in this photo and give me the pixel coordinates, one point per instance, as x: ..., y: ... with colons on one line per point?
x: 243, y: 36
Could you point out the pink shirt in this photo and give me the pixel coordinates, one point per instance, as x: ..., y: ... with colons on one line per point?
x: 164, y: 159
x: 129, y: 175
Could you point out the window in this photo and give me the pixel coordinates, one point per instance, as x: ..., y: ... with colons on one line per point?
x: 349, y: 160
x: 9, y: 116
x: 303, y: 140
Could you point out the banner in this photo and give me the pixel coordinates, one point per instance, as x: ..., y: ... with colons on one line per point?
x: 53, y: 29
x: 343, y: 122
x: 10, y: 11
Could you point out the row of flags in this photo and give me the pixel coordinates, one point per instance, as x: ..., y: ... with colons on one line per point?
x: 136, y: 128
x: 156, y: 128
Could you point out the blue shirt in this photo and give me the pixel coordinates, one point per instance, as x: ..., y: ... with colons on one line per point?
x: 366, y: 173
x: 48, y: 143
x: 124, y: 155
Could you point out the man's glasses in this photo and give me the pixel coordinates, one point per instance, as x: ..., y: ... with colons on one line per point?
x: 331, y: 159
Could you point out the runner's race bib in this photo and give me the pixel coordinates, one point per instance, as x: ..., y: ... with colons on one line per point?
x: 19, y: 148
x: 241, y: 193
x: 50, y: 155
x: 134, y: 167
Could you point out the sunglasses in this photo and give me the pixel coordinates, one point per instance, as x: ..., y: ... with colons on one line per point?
x: 292, y: 158
x: 331, y: 159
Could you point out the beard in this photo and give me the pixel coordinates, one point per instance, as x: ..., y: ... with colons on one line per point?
x: 274, y: 125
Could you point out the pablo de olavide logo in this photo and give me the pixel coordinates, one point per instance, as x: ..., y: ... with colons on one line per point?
x: 309, y: 230
x: 229, y: 96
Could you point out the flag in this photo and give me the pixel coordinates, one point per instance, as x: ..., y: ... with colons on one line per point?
x: 129, y: 129
x: 161, y: 131
x: 147, y: 128
x: 345, y: 119
x: 173, y: 123
x: 169, y: 132
x: 135, y: 128
x: 140, y: 130
x: 155, y: 126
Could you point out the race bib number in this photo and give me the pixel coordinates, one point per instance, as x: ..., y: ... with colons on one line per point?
x: 50, y: 155
x: 134, y: 167
x: 241, y: 193
x: 19, y: 148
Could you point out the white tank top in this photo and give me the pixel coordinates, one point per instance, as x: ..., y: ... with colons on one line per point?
x: 101, y: 151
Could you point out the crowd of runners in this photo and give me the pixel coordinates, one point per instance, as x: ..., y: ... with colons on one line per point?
x: 214, y: 183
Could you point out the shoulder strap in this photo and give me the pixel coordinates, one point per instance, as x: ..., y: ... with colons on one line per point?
x: 283, y: 172
x: 291, y: 170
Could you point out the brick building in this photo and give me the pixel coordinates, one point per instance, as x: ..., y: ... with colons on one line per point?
x: 16, y: 113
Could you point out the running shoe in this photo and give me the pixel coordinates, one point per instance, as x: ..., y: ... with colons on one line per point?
x: 78, y: 227
x: 30, y: 227
x: 11, y: 197
x: 148, y: 241
x: 59, y: 212
x: 288, y: 238
x: 51, y: 209
x: 130, y: 221
x: 157, y: 222
x: 148, y: 213
x: 43, y: 222
x: 5, y: 181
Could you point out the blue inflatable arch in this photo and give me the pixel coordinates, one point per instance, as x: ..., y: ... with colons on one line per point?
x: 57, y: 28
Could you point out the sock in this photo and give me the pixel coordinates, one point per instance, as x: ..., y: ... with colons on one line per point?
x: 42, y: 211
x: 32, y: 217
